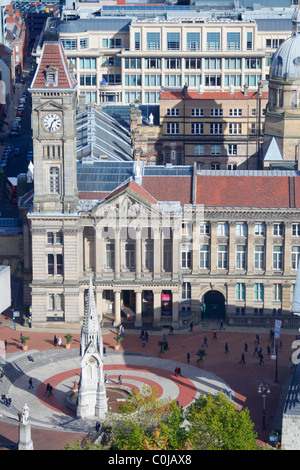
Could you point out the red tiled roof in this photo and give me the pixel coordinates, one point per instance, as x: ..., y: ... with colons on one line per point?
x: 134, y: 187
x: 170, y: 188
x: 210, y: 95
x: 246, y: 191
x: 53, y: 54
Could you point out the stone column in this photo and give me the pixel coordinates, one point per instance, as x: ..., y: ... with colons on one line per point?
x: 138, y: 309
x: 156, y: 307
x: 99, y: 302
x: 117, y: 305
x: 214, y: 248
x: 231, y: 247
x: 138, y: 254
x: 157, y: 253
x: 250, y: 247
x: 175, y: 308
x: 269, y: 248
x: 287, y: 248
x: 117, y: 253
x: 176, y: 253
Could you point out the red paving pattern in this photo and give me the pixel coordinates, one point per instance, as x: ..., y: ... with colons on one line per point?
x: 242, y: 378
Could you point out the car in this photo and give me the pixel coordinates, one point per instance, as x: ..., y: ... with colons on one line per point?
x: 17, y: 152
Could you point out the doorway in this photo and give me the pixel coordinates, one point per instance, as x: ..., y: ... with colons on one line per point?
x: 214, y: 306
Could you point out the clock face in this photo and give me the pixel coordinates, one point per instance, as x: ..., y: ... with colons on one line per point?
x: 52, y: 122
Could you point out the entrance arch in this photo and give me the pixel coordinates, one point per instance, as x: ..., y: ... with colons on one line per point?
x: 214, y: 305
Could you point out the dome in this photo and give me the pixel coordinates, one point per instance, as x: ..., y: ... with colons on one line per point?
x: 286, y: 60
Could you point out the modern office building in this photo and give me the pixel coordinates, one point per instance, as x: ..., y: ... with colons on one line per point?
x: 121, y: 58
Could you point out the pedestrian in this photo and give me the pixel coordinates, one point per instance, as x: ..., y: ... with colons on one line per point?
x: 98, y: 426
x: 166, y: 346
x: 246, y: 348
x: 164, y: 338
x: 215, y: 334
x: 30, y: 383
x: 5, y: 343
x: 268, y: 350
x: 120, y: 380
x: 47, y: 387
x: 205, y: 342
x: 255, y: 351
x: 226, y: 348
x: 257, y: 339
x: 191, y: 327
x: 106, y: 379
x: 171, y: 332
x: 188, y: 357
x: 146, y: 335
x: 122, y: 331
x: 259, y: 351
x: 30, y: 358
x: 19, y: 416
x: 176, y: 371
x: 50, y: 390
x: 142, y: 334
x: 144, y: 341
x: 179, y: 371
x: 104, y: 351
x: 242, y: 359
x: 261, y: 360
x: 221, y: 325
x: 55, y: 340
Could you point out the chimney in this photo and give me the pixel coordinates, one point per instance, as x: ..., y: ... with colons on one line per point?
x: 246, y: 90
x: 260, y: 89
x: 185, y: 90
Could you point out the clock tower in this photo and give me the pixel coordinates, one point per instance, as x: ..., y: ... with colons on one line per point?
x: 54, y: 101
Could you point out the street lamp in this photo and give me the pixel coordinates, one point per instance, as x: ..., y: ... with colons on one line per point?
x: 263, y: 390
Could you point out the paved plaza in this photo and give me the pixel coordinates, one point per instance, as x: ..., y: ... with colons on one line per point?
x: 54, y: 424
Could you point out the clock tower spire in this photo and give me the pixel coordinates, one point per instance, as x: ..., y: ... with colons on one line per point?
x: 54, y: 103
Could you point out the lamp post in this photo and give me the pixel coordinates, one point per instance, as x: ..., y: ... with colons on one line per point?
x: 263, y: 390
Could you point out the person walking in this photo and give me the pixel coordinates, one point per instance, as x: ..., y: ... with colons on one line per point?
x: 242, y: 361
x: 261, y: 359
x: 171, y: 332
x: 179, y: 371
x: 255, y: 351
x: 30, y: 383
x: 146, y: 335
x: 176, y: 371
x: 222, y: 325
x: 144, y: 341
x: 268, y: 350
x: 120, y: 380
x: 205, y: 342
x: 50, y: 390
x: 106, y: 379
x: 5, y: 344
x: 215, y: 334
x: 226, y: 348
x: 188, y: 357
x: 246, y: 348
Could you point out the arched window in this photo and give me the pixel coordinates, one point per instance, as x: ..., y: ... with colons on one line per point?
x: 179, y: 156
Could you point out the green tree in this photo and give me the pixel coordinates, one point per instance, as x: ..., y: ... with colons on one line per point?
x: 215, y: 424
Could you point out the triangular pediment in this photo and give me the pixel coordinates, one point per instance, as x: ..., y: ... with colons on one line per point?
x: 50, y: 106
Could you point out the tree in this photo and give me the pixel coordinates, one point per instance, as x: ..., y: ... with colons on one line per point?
x: 215, y: 424
x: 144, y: 421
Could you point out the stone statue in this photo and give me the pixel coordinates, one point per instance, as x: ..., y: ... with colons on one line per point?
x: 25, y: 414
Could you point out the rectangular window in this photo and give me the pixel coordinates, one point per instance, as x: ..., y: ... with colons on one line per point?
x: 295, y: 257
x: 223, y: 229
x: 54, y: 180
x: 240, y: 291
x: 193, y: 41
x: 172, y: 64
x: 69, y: 44
x: 235, y: 128
x: 213, y: 80
x: 193, y: 63
x: 258, y: 292
x: 195, y: 112
x: 278, y: 230
x: 222, y: 257
x: 51, y: 264
x: 186, y: 256
x: 216, y: 128
x: 235, y: 112
x: 259, y: 257
x: 110, y: 255
x: 84, y: 43
x: 232, y: 149
x: 259, y: 229
x: 186, y: 291
x: 233, y: 41
x: 213, y: 41
x: 172, y: 127
x: 149, y: 254
x: 137, y: 42
x: 196, y: 128
x: 204, y: 229
x: 153, y: 41
x: 241, y: 230
x: 204, y: 257
x: 59, y: 265
x: 277, y: 257
x: 216, y: 112
x: 173, y: 112
x: 130, y: 256
x: 249, y: 41
x: 199, y: 149
x: 215, y: 149
x: 241, y: 257
x: 173, y: 41
x: 296, y: 230
x: 277, y: 292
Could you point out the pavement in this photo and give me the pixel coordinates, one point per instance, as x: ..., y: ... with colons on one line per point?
x: 54, y: 424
